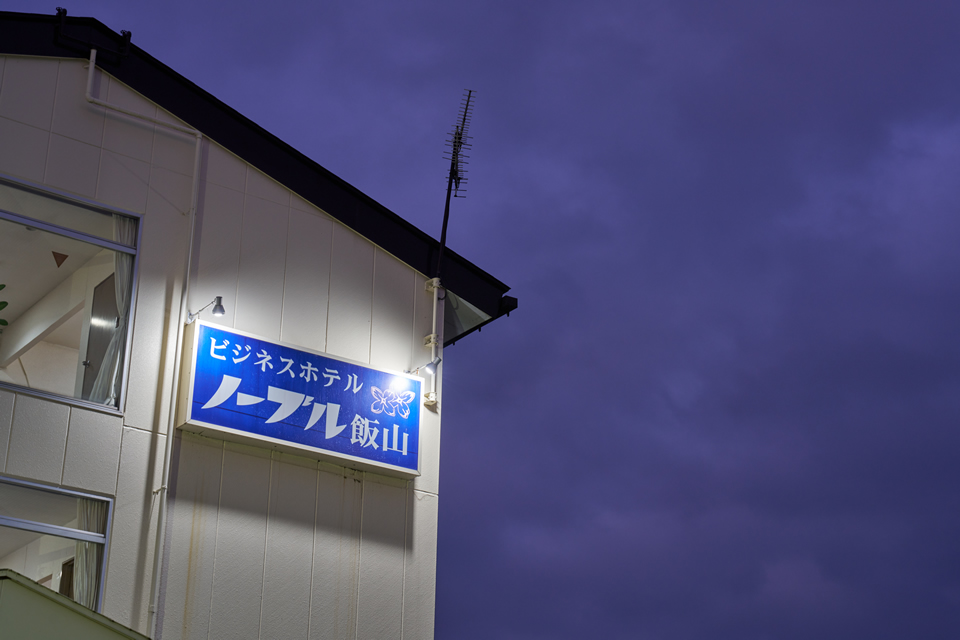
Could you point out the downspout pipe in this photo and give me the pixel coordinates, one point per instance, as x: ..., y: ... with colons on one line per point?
x: 184, y: 294
x: 433, y: 341
x: 436, y: 335
x: 163, y: 490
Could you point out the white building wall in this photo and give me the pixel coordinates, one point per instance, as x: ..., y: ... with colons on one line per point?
x: 258, y: 544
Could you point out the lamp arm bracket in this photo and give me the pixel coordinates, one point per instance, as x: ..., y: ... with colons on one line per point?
x: 191, y: 317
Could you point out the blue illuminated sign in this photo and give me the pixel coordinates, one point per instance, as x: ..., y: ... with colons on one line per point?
x: 250, y: 385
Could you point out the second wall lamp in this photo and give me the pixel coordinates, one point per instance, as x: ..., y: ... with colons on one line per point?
x: 218, y: 309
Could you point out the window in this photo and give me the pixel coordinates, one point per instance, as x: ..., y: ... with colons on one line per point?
x: 66, y: 286
x: 56, y: 538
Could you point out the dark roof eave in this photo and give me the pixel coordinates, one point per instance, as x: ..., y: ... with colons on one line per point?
x: 507, y: 304
x: 35, y: 35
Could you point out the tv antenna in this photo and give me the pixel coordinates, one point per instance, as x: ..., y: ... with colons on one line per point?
x: 457, y: 144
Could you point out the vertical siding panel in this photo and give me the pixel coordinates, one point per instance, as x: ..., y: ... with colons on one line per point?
x: 125, y: 134
x: 262, y: 248
x: 123, y: 182
x: 24, y: 127
x: 173, y: 150
x: 241, y: 542
x: 72, y: 166
x: 351, y: 283
x: 420, y: 565
x: 132, y: 538
x: 382, y: 541
x: 93, y: 451
x: 218, y: 264
x: 336, y: 560
x: 24, y: 150
x: 224, y: 168
x: 170, y: 193
x: 38, y: 438
x: 306, y: 282
x: 163, y: 249
x: 73, y: 116
x: 260, y: 186
x: 288, y: 563
x: 29, y: 88
x: 193, y: 538
x: 121, y: 95
x: 429, y: 478
x: 393, y: 314
x: 7, y: 400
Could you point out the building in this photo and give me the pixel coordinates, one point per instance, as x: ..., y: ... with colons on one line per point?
x: 141, y: 474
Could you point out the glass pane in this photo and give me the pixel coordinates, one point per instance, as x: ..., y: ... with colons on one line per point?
x: 63, y: 565
x: 64, y: 308
x: 63, y: 213
x: 26, y: 503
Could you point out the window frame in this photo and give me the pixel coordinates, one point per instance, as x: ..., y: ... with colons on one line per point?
x: 66, y: 532
x: 54, y: 194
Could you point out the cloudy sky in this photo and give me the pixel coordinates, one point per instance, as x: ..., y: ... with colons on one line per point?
x: 728, y: 405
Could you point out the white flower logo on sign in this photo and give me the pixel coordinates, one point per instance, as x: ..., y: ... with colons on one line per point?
x: 391, y: 402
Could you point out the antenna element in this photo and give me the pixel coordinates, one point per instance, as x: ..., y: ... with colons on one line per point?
x: 457, y: 144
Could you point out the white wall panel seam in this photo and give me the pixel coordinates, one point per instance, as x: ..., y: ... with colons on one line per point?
x: 136, y: 428
x: 407, y: 546
x: 266, y: 534
x: 65, y: 432
x: 313, y: 549
x: 363, y: 496
x: 286, y: 253
x: 414, y: 341
x: 373, y: 294
x: 63, y: 463
x: 96, y: 187
x: 243, y: 214
x: 113, y: 522
x: 4, y: 74
x: 286, y: 259
x: 13, y: 412
x: 216, y: 538
x: 116, y: 474
x: 56, y: 91
x: 104, y: 80
x: 326, y: 329
x: 193, y: 275
x: 46, y: 157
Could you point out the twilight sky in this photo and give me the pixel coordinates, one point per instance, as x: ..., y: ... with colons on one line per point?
x: 728, y: 406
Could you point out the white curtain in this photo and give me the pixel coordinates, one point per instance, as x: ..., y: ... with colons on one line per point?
x: 91, y: 516
x: 106, y: 388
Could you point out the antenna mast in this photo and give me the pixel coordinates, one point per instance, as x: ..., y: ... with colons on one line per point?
x: 457, y: 144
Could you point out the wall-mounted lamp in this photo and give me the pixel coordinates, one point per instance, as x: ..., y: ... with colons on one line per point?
x: 218, y: 309
x: 430, y: 367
